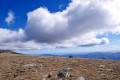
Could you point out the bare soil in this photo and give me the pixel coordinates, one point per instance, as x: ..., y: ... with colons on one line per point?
x: 27, y: 67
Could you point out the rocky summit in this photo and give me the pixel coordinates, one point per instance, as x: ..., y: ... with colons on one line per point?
x: 27, y: 67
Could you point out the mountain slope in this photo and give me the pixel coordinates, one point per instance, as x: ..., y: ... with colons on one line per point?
x: 26, y: 67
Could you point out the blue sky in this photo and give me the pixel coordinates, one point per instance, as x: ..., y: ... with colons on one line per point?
x: 58, y: 26
x: 22, y: 7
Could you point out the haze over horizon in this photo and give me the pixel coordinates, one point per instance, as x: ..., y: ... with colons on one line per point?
x: 46, y: 26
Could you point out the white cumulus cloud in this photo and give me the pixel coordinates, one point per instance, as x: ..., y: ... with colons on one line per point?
x: 10, y: 19
x: 78, y: 25
x: 15, y: 40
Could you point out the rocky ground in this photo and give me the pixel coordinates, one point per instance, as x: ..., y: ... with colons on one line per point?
x: 26, y: 67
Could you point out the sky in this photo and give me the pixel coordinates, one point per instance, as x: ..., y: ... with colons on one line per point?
x: 60, y: 26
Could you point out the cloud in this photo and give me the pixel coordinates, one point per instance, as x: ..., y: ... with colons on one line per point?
x: 16, y: 40
x: 29, y: 45
x: 78, y: 25
x: 10, y: 19
x: 11, y: 36
x: 115, y: 46
x: 61, y: 6
x: 97, y: 42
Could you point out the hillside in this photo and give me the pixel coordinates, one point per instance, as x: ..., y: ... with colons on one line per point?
x: 8, y: 51
x: 27, y: 67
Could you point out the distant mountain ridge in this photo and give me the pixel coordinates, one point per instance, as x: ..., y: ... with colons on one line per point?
x: 94, y: 55
x: 8, y: 51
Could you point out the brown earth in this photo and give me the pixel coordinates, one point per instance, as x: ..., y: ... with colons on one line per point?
x: 26, y: 67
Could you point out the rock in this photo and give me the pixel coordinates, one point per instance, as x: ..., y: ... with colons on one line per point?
x: 15, y: 75
x: 41, y: 64
x: 74, y: 61
x: 71, y: 57
x: 80, y: 78
x: 67, y: 69
x: 63, y: 73
x: 47, y: 76
x: 102, y: 65
x: 110, y: 70
x: 71, y: 76
x: 22, y: 72
x: 43, y: 79
x: 67, y: 75
x: 30, y: 65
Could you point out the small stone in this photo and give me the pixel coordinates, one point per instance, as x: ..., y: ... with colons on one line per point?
x: 102, y: 65
x: 67, y: 75
x: 71, y: 76
x: 43, y: 79
x: 74, y: 61
x: 110, y: 70
x: 80, y: 78
x: 30, y: 65
x: 49, y: 76
x: 15, y: 75
x: 41, y: 64
x: 22, y: 72
x: 67, y: 69
x: 45, y: 76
